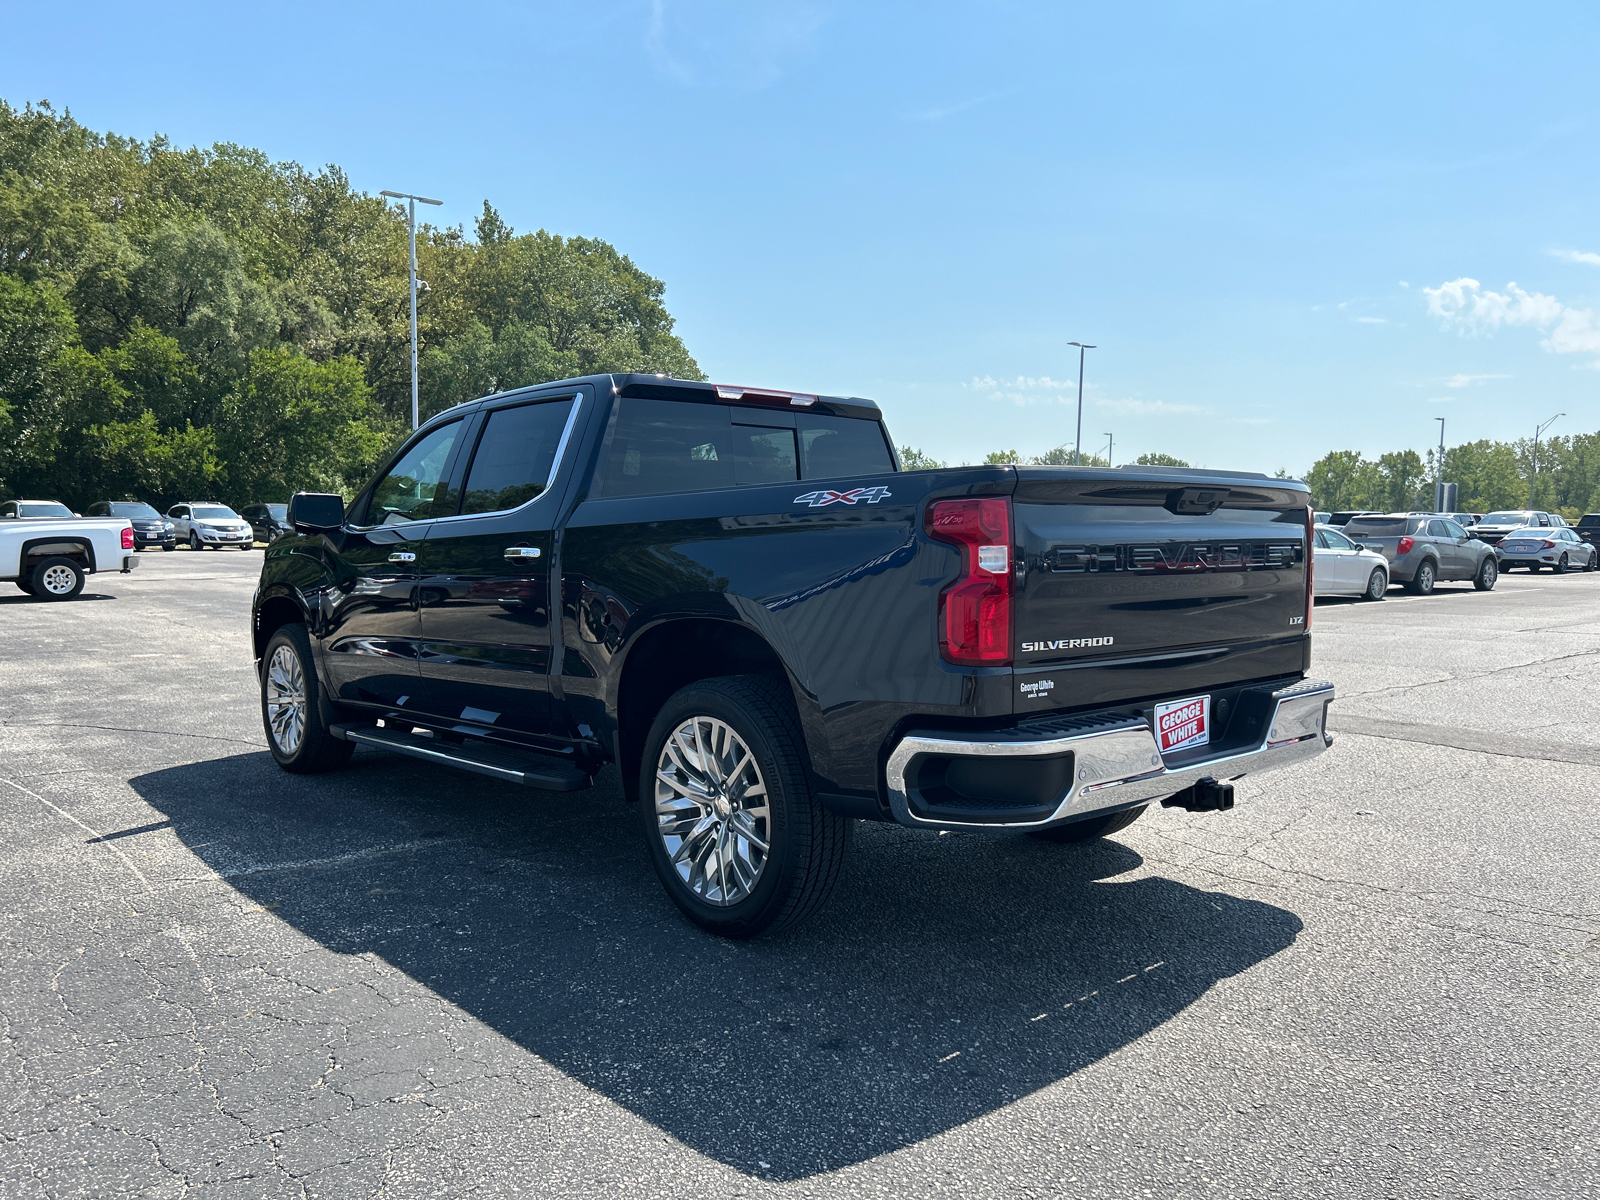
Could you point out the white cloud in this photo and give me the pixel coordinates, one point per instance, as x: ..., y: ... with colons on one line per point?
x: 1148, y: 408
x: 1461, y: 381
x: 1463, y: 305
x: 1027, y: 389
x: 1372, y: 320
x: 1587, y: 257
x: 949, y: 110
x: 729, y: 43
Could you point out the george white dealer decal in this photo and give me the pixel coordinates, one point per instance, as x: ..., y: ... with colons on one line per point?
x: 1066, y: 644
x: 825, y: 497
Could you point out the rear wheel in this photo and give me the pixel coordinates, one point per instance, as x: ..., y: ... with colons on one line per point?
x: 734, y: 831
x: 1377, y: 584
x: 1488, y: 573
x: 1561, y: 565
x: 55, y: 578
x: 294, y: 709
x: 1426, y: 576
x: 1093, y: 827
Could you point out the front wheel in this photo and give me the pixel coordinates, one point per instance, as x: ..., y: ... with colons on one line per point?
x: 56, y: 578
x: 734, y: 831
x: 294, y: 709
x: 1094, y: 827
x: 194, y: 541
x: 1561, y: 565
x: 1377, y: 584
x: 168, y: 546
x: 1487, y: 575
x: 1422, y: 583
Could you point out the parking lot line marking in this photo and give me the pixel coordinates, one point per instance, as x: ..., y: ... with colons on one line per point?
x: 337, y: 859
x: 89, y: 829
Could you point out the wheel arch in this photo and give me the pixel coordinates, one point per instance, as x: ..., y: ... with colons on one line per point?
x: 670, y: 655
x: 272, y: 614
x: 80, y: 550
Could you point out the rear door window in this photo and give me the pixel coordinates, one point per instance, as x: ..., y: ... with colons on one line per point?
x: 1361, y: 527
x: 516, y: 456
x: 1437, y: 529
x: 1454, y: 530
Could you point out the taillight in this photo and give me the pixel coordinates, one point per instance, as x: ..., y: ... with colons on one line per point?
x: 1311, y: 558
x: 127, y: 537
x: 1403, y: 547
x: 1547, y: 545
x: 975, y: 610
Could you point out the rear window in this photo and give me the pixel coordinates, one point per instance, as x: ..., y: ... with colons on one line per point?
x: 43, y: 509
x: 1359, y: 527
x: 661, y: 446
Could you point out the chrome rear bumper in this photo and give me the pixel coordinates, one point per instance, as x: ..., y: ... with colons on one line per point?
x: 1116, y: 763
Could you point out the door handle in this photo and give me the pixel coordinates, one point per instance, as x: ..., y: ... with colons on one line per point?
x: 402, y: 556
x: 518, y: 553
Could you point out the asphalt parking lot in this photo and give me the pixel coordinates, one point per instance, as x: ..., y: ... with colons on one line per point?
x: 1376, y: 977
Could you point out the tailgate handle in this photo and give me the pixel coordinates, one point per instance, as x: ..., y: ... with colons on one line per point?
x: 1195, y: 502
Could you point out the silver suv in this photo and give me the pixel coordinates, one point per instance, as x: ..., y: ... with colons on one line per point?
x: 1423, y: 550
x: 208, y: 525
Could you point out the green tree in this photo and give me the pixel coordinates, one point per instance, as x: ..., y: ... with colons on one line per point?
x: 1343, y: 480
x: 1002, y: 458
x: 1159, y: 460
x: 915, y: 460
x: 1401, y: 476
x: 38, y: 380
x: 1488, y: 475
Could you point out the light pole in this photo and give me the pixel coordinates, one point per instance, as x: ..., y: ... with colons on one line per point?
x: 1110, y: 443
x: 1077, y: 446
x: 1538, y: 430
x: 1438, y: 482
x: 411, y: 225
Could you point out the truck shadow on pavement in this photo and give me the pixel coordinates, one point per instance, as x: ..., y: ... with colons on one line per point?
x: 949, y: 977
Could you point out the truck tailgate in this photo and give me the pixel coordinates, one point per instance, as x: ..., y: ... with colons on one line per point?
x: 1125, y: 575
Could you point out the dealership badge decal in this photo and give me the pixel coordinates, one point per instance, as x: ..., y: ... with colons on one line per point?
x: 826, y: 497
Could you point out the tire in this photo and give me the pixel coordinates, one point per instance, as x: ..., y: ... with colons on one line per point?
x: 55, y: 578
x: 717, y: 876
x: 1377, y: 585
x: 25, y: 585
x: 1093, y: 827
x: 1561, y: 565
x: 1488, y: 575
x: 1427, y: 575
x: 168, y: 547
x: 303, y: 746
x: 1594, y: 561
x: 194, y: 541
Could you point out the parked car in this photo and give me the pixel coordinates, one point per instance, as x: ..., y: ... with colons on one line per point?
x: 1321, y: 518
x: 1465, y: 520
x: 1343, y: 518
x: 267, y: 520
x: 1346, y: 569
x: 1588, y: 528
x: 1496, y: 525
x: 1421, y: 551
x: 150, y: 528
x: 734, y: 594
x: 35, y: 510
x: 50, y: 559
x: 1559, y: 549
x: 206, y: 525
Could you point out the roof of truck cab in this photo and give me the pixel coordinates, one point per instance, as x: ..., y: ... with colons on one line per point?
x: 665, y: 387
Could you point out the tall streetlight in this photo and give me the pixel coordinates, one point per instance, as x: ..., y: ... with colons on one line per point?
x: 411, y: 224
x: 1438, y: 481
x: 1538, y: 430
x: 1110, y: 443
x: 1077, y: 447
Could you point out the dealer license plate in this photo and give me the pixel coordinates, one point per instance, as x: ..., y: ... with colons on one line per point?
x: 1183, y: 724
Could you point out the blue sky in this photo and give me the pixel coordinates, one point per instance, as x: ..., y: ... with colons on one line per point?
x: 1287, y: 230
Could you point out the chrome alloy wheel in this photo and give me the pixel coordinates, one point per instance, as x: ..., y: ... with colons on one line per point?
x: 58, y: 581
x: 712, y: 813
x: 286, y: 699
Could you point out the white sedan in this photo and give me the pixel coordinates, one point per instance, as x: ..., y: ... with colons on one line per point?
x: 1342, y: 568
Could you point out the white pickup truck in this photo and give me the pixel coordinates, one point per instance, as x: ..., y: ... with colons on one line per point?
x: 50, y: 558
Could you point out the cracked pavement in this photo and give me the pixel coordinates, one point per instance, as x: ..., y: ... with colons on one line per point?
x: 1375, y: 977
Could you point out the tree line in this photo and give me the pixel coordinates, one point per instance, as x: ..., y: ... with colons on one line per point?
x: 207, y: 323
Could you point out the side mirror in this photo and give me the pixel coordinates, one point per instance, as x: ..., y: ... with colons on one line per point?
x: 315, y: 512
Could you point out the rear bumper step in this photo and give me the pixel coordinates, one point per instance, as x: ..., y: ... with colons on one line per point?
x: 530, y: 770
x: 1107, y: 763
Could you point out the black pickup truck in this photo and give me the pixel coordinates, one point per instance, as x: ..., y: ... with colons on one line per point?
x: 737, y: 596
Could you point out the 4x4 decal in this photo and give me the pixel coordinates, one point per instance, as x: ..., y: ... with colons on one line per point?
x: 824, y: 498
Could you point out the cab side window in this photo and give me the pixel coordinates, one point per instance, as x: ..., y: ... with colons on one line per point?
x: 515, y: 457
x: 410, y: 488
